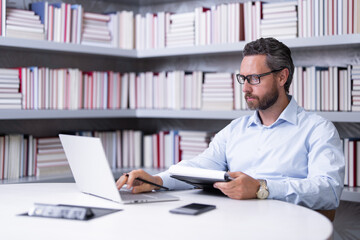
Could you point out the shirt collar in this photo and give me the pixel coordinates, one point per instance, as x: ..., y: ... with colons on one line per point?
x: 289, y: 115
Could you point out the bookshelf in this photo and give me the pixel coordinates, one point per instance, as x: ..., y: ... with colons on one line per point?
x: 345, y: 117
x: 55, y: 47
x: 351, y: 194
x: 318, y: 43
x: 51, y: 122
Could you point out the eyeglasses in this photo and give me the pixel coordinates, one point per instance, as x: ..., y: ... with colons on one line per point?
x: 253, y: 79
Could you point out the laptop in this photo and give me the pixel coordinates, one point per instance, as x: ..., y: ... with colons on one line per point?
x: 93, y: 175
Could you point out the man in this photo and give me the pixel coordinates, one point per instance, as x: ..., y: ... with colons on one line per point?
x: 280, y: 152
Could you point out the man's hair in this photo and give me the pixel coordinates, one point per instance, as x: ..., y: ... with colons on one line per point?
x: 278, y: 55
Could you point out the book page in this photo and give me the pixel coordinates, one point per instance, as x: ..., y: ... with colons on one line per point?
x: 196, y: 172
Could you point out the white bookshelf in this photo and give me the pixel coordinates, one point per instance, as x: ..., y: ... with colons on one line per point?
x: 49, y: 46
x: 153, y: 113
x: 351, y: 194
x: 324, y: 42
x: 65, y: 114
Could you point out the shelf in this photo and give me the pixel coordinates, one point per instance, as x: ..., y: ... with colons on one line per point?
x: 49, y: 46
x: 341, y: 116
x: 191, y: 114
x: 324, y: 42
x: 141, y: 2
x: 351, y: 194
x: 151, y: 113
x: 193, y: 50
x: 64, y: 114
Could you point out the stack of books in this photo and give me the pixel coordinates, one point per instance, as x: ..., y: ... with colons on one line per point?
x: 160, y: 90
x: 109, y: 141
x: 95, y: 90
x: 252, y: 17
x: 154, y: 150
x: 344, y: 89
x: 203, y: 26
x: 121, y: 26
x: 192, y: 143
x: 62, y: 21
x: 322, y: 88
x: 175, y: 92
x: 118, y: 90
x: 76, y: 23
x: 96, y: 30
x: 193, y: 90
x: 218, y: 92
x: 329, y: 88
x: 13, y: 150
x: 141, y: 90
x: 51, y: 158
x: 2, y: 17
x: 326, y: 18
x: 59, y: 27
x: 351, y: 148
x: 10, y: 96
x: 131, y: 149
x: 151, y: 30
x: 24, y: 24
x: 45, y: 88
x: 355, y: 91
x: 181, y: 30
x: 140, y: 32
x: 171, y: 90
x: 279, y: 20
x: 17, y: 156
x: 226, y: 23
x: 161, y: 150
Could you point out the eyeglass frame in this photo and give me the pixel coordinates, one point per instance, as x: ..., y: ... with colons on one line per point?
x: 247, y: 78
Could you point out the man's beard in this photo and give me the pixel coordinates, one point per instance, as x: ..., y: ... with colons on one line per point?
x: 267, y: 101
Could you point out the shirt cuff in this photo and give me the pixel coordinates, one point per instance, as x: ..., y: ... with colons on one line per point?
x: 165, y: 176
x: 172, y: 183
x: 277, y: 189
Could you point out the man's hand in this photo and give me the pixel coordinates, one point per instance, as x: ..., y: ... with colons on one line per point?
x: 138, y: 186
x: 242, y: 187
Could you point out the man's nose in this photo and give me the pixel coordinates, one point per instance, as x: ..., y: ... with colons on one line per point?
x: 246, y: 86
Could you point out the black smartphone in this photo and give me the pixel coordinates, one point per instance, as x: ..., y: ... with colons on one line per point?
x: 193, y: 209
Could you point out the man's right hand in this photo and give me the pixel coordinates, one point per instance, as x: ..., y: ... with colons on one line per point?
x: 138, y: 186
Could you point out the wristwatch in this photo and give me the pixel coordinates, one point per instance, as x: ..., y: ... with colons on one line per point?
x: 263, y: 191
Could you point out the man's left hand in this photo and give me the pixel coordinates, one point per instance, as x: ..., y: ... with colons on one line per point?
x: 242, y: 187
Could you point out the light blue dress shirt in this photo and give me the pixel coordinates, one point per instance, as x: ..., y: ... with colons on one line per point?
x: 300, y: 155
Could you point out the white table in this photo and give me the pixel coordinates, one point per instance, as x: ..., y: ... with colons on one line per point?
x: 232, y: 219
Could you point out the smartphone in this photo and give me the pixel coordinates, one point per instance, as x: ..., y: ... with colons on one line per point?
x: 193, y: 209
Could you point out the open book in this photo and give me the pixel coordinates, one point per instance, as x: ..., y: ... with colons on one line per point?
x: 199, y: 177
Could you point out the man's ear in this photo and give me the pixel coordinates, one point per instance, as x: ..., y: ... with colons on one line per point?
x: 283, y: 76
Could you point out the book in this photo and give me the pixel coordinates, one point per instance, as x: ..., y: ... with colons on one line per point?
x: 96, y: 30
x: 198, y: 177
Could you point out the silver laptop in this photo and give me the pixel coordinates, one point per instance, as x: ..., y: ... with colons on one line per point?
x: 93, y: 175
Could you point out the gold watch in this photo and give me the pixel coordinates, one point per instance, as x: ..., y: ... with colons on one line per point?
x: 263, y: 191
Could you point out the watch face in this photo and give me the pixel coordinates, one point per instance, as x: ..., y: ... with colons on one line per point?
x: 262, y: 194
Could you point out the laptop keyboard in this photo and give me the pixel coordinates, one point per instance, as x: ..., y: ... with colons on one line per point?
x: 125, y: 195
